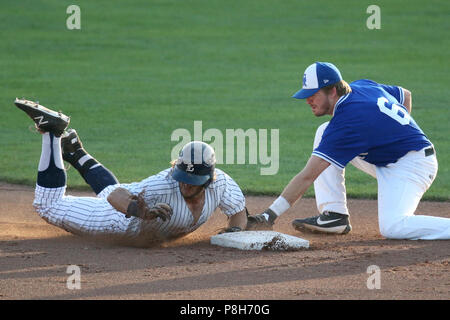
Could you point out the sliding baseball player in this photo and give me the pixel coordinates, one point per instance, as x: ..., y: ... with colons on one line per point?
x: 170, y: 204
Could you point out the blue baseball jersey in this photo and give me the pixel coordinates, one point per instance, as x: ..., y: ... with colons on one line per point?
x: 372, y: 123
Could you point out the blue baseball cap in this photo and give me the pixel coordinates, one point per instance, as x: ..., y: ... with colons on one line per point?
x: 317, y: 76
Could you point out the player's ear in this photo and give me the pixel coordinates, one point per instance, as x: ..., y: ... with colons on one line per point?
x: 333, y: 91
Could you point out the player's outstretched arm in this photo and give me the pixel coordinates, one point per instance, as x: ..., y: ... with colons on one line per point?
x: 237, y: 222
x: 301, y: 182
x: 293, y: 192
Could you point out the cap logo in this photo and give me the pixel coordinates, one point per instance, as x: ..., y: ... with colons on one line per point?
x: 189, y: 167
x: 326, y: 81
x: 310, y: 80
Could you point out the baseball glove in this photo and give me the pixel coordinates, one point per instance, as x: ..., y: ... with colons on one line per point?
x: 139, y: 208
x: 131, y: 205
x: 260, y: 222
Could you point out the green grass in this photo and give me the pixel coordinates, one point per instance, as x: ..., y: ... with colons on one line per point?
x: 138, y: 70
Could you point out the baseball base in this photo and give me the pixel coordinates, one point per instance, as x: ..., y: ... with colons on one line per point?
x: 259, y: 240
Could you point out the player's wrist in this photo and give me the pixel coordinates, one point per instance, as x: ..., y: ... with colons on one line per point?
x: 132, y: 209
x: 279, y: 206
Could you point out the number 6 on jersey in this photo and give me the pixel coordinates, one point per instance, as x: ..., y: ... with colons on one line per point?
x: 394, y: 111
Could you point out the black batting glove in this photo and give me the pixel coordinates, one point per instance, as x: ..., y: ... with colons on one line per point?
x: 262, y: 221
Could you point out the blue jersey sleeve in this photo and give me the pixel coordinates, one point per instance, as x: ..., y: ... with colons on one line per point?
x: 396, y: 92
x: 341, y: 142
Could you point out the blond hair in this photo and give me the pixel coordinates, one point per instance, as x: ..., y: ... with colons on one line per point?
x: 342, y: 88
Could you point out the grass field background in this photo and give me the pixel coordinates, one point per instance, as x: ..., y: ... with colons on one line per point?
x: 138, y: 70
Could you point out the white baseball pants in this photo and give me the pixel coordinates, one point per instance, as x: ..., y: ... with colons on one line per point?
x: 79, y: 215
x: 401, y: 185
x: 92, y: 216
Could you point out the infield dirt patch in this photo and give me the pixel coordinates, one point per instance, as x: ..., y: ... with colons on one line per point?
x: 34, y: 257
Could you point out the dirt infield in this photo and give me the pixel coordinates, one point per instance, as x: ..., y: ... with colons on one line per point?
x: 34, y: 257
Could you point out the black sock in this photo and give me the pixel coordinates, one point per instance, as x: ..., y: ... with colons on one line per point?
x: 99, y: 178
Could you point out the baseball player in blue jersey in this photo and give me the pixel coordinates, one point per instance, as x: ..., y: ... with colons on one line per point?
x: 372, y: 128
x: 167, y: 205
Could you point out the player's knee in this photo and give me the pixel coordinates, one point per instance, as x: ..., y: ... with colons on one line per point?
x: 42, y: 207
x: 393, y: 230
x: 47, y: 198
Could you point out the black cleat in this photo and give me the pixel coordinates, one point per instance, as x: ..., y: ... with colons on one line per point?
x: 46, y: 120
x: 327, y: 222
x: 70, y: 142
x: 71, y: 147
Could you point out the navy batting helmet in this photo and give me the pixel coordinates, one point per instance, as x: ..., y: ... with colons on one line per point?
x: 195, y: 164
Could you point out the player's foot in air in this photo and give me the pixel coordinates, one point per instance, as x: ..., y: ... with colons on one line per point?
x: 327, y: 222
x: 71, y: 146
x: 46, y: 120
x: 70, y: 142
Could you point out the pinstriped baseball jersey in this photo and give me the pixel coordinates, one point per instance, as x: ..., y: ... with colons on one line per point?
x: 90, y: 215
